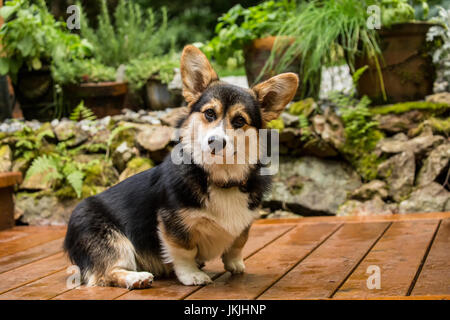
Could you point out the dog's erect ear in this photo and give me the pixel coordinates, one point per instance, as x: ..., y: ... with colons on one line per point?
x: 275, y: 93
x: 196, y: 73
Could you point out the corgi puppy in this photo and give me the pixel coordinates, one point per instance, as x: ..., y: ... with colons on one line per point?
x: 179, y: 214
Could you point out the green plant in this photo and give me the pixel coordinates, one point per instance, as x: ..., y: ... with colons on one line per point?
x: 28, y: 143
x: 324, y: 33
x: 58, y: 170
x: 239, y: 26
x: 81, y: 112
x: 161, y: 68
x: 441, y: 34
x: 130, y: 39
x: 30, y: 36
x: 129, y: 34
x: 73, y: 71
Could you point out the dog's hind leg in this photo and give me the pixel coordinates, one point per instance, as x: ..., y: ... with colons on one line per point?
x: 122, y: 271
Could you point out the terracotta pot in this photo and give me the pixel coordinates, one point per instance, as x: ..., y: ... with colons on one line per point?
x: 406, y: 64
x: 103, y: 98
x: 256, y: 55
x: 157, y: 96
x: 7, y: 182
x: 34, y: 92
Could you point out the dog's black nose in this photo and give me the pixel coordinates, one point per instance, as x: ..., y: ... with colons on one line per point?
x: 216, y: 144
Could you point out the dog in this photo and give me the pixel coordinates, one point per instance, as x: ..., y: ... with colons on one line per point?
x: 176, y: 216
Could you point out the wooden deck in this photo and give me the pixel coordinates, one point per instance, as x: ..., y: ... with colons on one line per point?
x: 310, y: 258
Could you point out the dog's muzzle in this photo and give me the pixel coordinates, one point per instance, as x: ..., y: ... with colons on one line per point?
x: 216, y: 144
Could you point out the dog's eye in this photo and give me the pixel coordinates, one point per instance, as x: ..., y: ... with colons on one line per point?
x: 238, y: 122
x: 210, y: 115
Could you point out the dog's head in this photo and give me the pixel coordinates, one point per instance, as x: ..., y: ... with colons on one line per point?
x: 224, y: 119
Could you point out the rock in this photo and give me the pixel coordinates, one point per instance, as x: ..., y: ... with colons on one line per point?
x: 434, y: 165
x: 419, y: 145
x: 5, y: 158
x: 20, y: 164
x: 172, y: 117
x: 289, y: 120
x: 370, y: 190
x: 136, y: 166
x: 290, y: 136
x: 100, y: 173
x: 70, y: 133
x: 38, y: 181
x: 122, y: 154
x: 399, y: 172
x: 282, y: 214
x: 319, y: 148
x: 427, y: 198
x: 311, y: 185
x: 155, y: 138
x: 39, y: 209
x: 394, y: 123
x: 330, y: 128
x: 442, y: 97
x: 375, y: 206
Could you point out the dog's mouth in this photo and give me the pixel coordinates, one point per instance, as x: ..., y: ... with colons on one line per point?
x: 222, y: 153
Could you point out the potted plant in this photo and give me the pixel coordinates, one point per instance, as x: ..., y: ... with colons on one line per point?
x: 329, y: 32
x: 407, y: 68
x: 30, y: 39
x: 246, y: 36
x: 153, y: 77
x: 123, y: 47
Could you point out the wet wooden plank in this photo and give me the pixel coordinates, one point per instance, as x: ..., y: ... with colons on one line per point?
x: 31, y: 272
x: 171, y: 288
x: 320, y: 274
x: 359, y: 219
x: 268, y: 265
x: 91, y: 293
x: 398, y: 254
x: 42, y: 289
x: 34, y: 237
x: 434, y: 279
x: 29, y: 255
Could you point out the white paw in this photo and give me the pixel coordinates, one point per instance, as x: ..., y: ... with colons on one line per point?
x: 195, y: 278
x: 139, y: 280
x: 235, y: 266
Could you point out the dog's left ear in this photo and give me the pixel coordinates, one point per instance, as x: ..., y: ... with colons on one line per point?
x: 196, y: 73
x: 275, y: 93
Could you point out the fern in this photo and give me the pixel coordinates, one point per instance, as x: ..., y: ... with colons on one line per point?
x: 75, y: 179
x: 47, y: 165
x: 59, y: 170
x: 304, y: 125
x: 81, y: 112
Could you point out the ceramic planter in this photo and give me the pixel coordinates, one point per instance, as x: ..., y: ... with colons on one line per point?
x: 256, y: 55
x: 406, y: 65
x: 103, y: 98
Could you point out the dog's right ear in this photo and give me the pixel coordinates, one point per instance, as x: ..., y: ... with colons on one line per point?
x: 196, y: 73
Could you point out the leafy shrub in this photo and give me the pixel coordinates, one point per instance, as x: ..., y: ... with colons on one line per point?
x: 30, y: 36
x: 128, y: 34
x: 239, y: 26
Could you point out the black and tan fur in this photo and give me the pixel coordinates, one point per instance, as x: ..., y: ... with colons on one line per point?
x: 174, y: 217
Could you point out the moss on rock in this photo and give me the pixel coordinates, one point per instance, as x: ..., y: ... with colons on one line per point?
x: 434, y: 108
x: 276, y: 124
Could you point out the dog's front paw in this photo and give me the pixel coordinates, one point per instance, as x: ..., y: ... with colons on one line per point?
x: 196, y: 278
x: 235, y: 266
x: 139, y: 280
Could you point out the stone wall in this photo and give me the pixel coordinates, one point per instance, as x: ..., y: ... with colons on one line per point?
x: 404, y: 169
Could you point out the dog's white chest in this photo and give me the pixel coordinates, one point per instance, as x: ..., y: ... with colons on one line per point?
x: 225, y: 217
